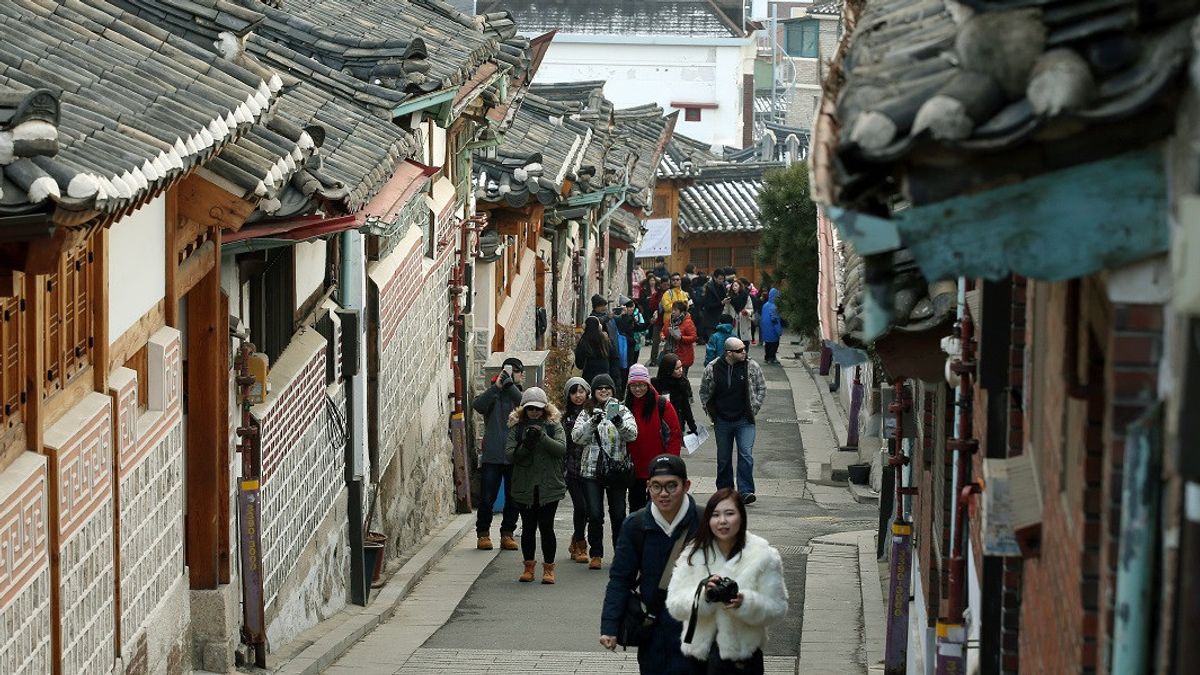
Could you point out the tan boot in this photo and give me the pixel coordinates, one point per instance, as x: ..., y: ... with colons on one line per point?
x: 507, y: 543
x: 527, y: 575
x: 484, y: 543
x: 595, y: 564
x: 547, y: 573
x: 573, y: 548
x: 581, y: 553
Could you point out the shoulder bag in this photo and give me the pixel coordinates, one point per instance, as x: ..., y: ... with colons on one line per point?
x: 638, y: 621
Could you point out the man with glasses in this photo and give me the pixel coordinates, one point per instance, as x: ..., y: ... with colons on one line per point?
x: 646, y: 549
x: 673, y: 295
x: 732, y: 391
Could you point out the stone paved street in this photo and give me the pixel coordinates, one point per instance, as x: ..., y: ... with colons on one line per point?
x: 470, y: 615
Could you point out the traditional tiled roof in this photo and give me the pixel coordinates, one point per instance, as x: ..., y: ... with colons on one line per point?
x: 625, y: 226
x: 829, y: 8
x: 684, y: 156
x: 723, y: 198
x: 914, y: 76
x: 690, y: 18
x: 137, y: 108
x: 916, y: 305
x: 537, y: 155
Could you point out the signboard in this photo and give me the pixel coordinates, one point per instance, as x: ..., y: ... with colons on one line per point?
x: 254, y: 625
x: 657, y: 239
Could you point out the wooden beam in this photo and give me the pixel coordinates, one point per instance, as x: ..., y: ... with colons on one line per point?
x: 224, y: 553
x: 210, y: 206
x: 171, y: 262
x: 194, y: 268
x: 123, y: 348
x: 207, y: 391
x: 99, y: 310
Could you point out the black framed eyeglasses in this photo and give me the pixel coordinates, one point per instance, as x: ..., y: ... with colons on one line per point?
x: 659, y: 488
x: 737, y: 351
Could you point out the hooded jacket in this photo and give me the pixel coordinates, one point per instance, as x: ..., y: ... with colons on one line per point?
x: 716, y: 342
x: 758, y: 571
x: 496, y: 405
x: 772, y: 325
x: 649, y: 442
x: 596, y: 434
x: 540, y: 465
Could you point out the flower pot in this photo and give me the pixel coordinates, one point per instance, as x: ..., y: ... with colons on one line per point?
x: 373, y: 553
x: 860, y: 474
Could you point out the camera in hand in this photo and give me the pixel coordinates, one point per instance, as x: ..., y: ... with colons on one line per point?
x: 723, y: 590
x: 533, y: 434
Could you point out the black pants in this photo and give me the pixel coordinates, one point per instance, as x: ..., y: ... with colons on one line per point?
x: 637, y: 494
x: 596, y: 493
x: 579, y: 506
x: 538, y: 517
x: 772, y: 349
x: 715, y: 666
x: 489, y: 489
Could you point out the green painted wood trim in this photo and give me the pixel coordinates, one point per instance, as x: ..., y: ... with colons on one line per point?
x: 424, y: 102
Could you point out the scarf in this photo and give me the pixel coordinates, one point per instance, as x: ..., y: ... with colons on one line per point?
x: 676, y: 323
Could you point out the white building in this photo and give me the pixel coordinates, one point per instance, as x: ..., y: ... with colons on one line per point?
x: 689, y: 55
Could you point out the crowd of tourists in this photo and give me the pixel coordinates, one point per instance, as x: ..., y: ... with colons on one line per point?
x: 692, y: 590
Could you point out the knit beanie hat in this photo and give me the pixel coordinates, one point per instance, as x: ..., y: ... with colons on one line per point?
x: 603, y: 380
x: 572, y: 383
x: 598, y: 301
x: 533, y: 397
x: 639, y: 373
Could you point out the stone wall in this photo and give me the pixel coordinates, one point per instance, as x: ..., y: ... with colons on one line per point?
x: 24, y: 567
x: 416, y: 488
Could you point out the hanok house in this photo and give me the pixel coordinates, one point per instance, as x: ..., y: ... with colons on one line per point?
x: 564, y: 190
x: 714, y: 210
x: 1049, y: 430
x: 198, y: 210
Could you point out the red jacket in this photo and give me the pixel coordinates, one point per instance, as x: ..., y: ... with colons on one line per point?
x: 687, y: 332
x: 649, y: 442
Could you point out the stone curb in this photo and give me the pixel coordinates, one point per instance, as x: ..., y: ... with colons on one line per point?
x: 358, y: 621
x: 874, y: 614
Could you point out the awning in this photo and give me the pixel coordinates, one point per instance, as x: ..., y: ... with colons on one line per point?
x: 274, y: 235
x: 441, y: 198
x: 409, y: 179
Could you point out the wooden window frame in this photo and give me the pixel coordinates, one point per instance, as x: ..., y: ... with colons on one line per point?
x: 68, y: 320
x: 801, y: 39
x: 13, y: 395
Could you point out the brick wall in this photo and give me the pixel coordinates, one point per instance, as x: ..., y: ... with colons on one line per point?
x: 1136, y: 347
x: 1010, y: 611
x: 416, y: 489
x: 24, y: 567
x: 80, y: 446
x: 149, y: 471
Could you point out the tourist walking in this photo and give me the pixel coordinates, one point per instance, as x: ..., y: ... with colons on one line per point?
x: 578, y: 395
x: 727, y: 588
x: 679, y: 335
x: 660, y: 268
x: 536, y: 445
x: 658, y: 430
x: 672, y: 383
x: 673, y: 295
x: 732, y: 391
x: 496, y: 403
x: 594, y: 351
x: 605, y: 464
x: 650, y: 542
x: 709, y: 303
x: 772, y: 327
x: 716, y: 342
x: 651, y: 309
x: 737, y: 304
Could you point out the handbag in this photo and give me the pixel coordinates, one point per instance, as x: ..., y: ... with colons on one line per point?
x: 610, y: 471
x: 638, y: 621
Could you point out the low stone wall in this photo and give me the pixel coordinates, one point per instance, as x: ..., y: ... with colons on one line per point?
x: 25, y: 567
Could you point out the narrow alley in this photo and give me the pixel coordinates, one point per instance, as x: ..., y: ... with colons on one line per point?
x: 470, y: 615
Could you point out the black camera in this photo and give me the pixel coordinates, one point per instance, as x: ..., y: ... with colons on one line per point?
x: 533, y: 434
x: 723, y: 590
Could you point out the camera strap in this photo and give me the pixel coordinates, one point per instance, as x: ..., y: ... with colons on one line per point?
x: 691, y: 629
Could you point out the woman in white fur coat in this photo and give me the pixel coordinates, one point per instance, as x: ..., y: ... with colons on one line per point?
x: 726, y: 637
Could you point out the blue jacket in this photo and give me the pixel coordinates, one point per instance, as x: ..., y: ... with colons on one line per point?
x: 662, y: 656
x: 772, y: 326
x: 716, y: 342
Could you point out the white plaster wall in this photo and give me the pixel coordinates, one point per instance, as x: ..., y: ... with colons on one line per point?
x: 309, y: 270
x: 437, y: 139
x: 639, y: 72
x: 135, y: 286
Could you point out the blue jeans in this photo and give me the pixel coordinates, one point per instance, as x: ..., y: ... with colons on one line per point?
x: 727, y: 432
x: 489, y: 488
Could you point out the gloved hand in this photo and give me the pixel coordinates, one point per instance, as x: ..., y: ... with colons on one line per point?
x: 533, y: 434
x: 597, y: 417
x: 615, y: 419
x: 504, y: 380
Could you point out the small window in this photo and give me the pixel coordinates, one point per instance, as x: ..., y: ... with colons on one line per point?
x: 691, y: 114
x: 743, y: 257
x: 699, y: 258
x: 801, y: 39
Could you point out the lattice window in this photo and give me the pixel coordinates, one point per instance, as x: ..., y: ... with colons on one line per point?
x: 69, y: 322
x: 743, y: 256
x: 12, y: 380
x: 699, y: 258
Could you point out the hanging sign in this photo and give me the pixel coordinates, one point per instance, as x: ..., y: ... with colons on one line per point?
x: 657, y: 239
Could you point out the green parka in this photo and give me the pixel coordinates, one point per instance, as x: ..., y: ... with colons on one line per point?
x: 539, y: 466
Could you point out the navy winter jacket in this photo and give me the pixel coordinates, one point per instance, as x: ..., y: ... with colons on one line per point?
x: 662, y: 656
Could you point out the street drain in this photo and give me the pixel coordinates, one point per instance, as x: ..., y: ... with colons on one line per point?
x: 794, y: 550
x: 791, y: 421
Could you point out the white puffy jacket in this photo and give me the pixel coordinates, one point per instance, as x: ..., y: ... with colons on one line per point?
x: 740, y: 632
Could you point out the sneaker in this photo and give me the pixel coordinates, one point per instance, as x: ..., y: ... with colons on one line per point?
x: 749, y: 498
x: 484, y: 543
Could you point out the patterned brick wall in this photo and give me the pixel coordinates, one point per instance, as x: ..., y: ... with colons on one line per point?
x: 150, y: 475
x: 302, y: 472
x: 81, y: 445
x: 416, y: 488
x: 24, y: 568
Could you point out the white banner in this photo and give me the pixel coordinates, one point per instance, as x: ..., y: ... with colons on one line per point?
x: 657, y: 239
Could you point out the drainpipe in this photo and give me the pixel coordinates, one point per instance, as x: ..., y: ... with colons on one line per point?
x: 1136, y: 564
x: 900, y: 563
x: 459, y: 296
x: 951, y: 631
x: 352, y: 296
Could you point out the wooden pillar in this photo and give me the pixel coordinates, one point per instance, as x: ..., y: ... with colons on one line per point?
x: 207, y: 422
